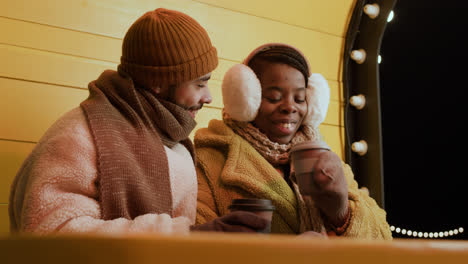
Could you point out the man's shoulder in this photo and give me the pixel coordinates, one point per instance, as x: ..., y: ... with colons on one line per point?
x: 68, y: 143
x: 71, y: 126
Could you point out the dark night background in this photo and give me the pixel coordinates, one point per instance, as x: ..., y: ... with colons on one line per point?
x: 423, y: 99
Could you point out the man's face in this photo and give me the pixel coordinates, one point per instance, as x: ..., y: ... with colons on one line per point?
x: 192, y: 95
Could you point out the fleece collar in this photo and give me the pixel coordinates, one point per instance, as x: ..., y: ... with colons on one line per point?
x: 248, y: 171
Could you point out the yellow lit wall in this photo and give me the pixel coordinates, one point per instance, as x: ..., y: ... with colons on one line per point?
x: 51, y: 49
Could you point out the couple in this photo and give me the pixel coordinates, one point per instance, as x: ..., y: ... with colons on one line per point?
x: 122, y: 162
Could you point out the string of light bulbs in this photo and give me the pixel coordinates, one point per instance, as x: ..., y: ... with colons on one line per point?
x: 440, y: 234
x: 360, y: 147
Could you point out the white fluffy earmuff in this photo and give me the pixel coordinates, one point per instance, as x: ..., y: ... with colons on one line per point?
x: 318, y: 98
x: 242, y: 93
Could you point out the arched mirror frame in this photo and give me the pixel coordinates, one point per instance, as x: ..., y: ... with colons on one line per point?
x: 361, y: 77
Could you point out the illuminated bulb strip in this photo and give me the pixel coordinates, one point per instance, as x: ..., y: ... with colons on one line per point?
x: 440, y: 234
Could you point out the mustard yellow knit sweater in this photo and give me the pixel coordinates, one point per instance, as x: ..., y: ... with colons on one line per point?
x: 229, y: 167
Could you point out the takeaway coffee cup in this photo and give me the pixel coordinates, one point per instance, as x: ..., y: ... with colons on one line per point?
x: 304, y: 155
x: 261, y: 207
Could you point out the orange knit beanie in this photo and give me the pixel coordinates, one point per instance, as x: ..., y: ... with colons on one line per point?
x: 165, y: 47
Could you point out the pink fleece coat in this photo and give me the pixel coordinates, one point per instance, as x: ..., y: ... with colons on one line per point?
x: 55, y: 189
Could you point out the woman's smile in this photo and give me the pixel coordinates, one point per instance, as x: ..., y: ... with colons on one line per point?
x: 285, y: 127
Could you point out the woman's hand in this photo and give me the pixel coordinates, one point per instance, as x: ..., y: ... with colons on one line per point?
x: 330, y: 189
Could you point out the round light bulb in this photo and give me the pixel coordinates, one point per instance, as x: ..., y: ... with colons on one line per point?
x: 360, y: 147
x: 372, y: 10
x: 358, y: 101
x: 358, y: 55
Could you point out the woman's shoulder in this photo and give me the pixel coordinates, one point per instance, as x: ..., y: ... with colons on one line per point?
x: 215, y: 135
x: 216, y: 144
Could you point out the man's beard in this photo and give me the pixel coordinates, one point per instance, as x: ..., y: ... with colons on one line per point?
x: 192, y: 110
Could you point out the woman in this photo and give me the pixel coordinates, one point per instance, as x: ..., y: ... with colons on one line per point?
x: 271, y: 103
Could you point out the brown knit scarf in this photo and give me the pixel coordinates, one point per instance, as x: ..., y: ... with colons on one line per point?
x: 130, y: 127
x: 273, y: 152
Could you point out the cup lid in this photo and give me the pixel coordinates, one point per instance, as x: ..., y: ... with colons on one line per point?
x: 316, y: 144
x: 252, y: 205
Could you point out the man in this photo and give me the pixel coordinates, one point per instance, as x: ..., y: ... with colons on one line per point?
x: 122, y: 162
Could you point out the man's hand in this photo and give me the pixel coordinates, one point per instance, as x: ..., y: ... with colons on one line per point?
x: 237, y: 221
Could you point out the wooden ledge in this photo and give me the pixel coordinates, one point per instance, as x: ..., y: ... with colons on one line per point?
x: 225, y: 248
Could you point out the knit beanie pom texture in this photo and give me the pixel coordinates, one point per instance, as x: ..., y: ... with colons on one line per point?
x: 166, y: 47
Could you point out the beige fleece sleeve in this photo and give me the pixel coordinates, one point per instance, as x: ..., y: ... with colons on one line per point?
x: 57, y: 192
x: 368, y: 220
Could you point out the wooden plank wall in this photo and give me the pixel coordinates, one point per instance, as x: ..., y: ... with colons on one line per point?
x: 51, y: 49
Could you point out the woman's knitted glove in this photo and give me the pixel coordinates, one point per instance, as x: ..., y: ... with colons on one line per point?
x: 330, y: 188
x: 237, y: 221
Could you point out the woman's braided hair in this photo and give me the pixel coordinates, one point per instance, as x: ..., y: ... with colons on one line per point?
x: 280, y: 54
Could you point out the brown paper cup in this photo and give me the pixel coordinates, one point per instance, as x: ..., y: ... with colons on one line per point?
x: 261, y: 207
x: 304, y: 156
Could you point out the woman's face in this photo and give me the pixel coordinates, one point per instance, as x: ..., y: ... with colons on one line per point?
x: 283, y: 104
